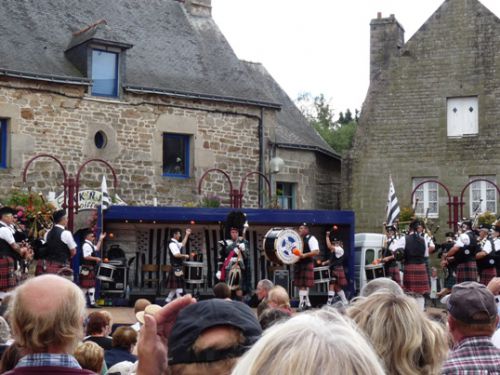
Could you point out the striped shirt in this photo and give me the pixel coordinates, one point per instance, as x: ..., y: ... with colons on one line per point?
x: 473, y: 356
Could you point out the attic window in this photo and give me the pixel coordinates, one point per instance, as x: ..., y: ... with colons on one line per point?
x: 462, y: 116
x: 104, y: 73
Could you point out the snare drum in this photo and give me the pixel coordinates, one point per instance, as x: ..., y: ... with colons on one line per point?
x: 374, y: 271
x: 321, y: 275
x: 105, y: 272
x: 279, y: 244
x: 194, y: 274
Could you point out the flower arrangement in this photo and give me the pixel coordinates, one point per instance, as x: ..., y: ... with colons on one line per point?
x: 210, y: 201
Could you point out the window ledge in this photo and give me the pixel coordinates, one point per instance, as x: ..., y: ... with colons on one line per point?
x: 176, y: 177
x: 103, y: 99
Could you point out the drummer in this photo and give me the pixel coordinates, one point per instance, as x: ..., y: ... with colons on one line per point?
x: 304, y: 268
x: 338, y: 280
x: 89, y: 261
x: 390, y: 265
x: 175, y: 279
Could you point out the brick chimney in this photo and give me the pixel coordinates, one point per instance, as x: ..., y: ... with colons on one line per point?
x: 199, y: 8
x: 387, y: 37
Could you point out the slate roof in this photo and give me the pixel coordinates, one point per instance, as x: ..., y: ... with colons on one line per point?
x: 172, y: 51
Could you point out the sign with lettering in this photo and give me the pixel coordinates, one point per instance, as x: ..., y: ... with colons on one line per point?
x: 89, y: 200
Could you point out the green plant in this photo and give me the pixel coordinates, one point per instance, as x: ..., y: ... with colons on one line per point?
x: 210, y: 201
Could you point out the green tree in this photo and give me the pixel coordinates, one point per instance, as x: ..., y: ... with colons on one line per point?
x: 320, y: 114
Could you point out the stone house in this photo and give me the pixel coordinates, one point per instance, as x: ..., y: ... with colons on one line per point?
x: 153, y: 88
x: 431, y: 113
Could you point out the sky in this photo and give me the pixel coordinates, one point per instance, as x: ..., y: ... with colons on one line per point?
x: 317, y: 46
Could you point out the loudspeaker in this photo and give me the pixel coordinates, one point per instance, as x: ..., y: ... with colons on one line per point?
x: 282, y: 277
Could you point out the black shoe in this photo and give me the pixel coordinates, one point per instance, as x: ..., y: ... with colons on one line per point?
x: 93, y: 306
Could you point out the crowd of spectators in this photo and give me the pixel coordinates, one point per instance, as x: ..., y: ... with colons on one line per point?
x: 383, y: 331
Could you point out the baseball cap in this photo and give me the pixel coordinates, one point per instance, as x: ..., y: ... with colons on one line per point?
x: 471, y: 302
x: 196, y: 318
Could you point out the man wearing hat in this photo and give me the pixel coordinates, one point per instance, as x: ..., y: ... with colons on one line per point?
x: 61, y: 246
x: 485, y: 258
x: 472, y: 320
x: 464, y: 252
x: 390, y: 265
x: 411, y: 250
x: 304, y: 268
x: 89, y: 262
x: 10, y: 251
x: 338, y: 281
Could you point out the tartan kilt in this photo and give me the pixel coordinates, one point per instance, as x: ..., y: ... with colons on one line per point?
x: 88, y: 281
x: 466, y: 272
x: 303, y: 274
x: 339, y: 274
x: 486, y: 274
x: 174, y: 282
x: 393, y: 273
x: 51, y: 267
x: 416, y: 279
x: 8, y: 278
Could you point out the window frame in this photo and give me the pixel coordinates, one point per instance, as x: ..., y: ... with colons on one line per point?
x: 187, y: 152
x: 291, y: 198
x: 4, y: 142
x: 117, y: 71
x: 483, y: 188
x: 454, y: 102
x: 426, y: 197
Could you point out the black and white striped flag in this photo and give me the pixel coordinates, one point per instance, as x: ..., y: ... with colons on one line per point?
x: 105, y: 199
x: 392, y: 204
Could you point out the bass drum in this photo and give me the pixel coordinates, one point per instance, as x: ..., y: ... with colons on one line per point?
x: 279, y: 244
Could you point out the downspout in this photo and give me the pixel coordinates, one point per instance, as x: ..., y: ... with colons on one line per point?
x: 261, y: 152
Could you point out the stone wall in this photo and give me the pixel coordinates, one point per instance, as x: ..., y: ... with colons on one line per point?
x: 403, y: 126
x: 62, y: 121
x: 317, y: 178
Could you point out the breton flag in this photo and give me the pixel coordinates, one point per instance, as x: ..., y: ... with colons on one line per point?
x: 392, y: 204
x: 105, y: 199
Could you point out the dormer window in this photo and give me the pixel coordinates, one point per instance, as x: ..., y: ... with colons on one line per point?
x: 104, y: 73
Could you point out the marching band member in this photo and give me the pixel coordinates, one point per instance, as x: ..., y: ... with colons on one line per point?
x: 390, y: 265
x: 411, y: 250
x: 464, y: 253
x: 485, y: 258
x: 495, y: 236
x: 175, y: 280
x: 304, y: 268
x: 338, y: 281
x: 61, y: 246
x: 88, y: 265
x: 448, y: 267
x: 10, y: 251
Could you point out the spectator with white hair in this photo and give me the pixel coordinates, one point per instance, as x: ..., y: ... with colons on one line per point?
x: 262, y: 290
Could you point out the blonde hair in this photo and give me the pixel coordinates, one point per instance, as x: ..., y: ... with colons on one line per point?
x: 278, y: 296
x: 311, y: 343
x: 407, y: 341
x: 47, y: 312
x: 90, y: 356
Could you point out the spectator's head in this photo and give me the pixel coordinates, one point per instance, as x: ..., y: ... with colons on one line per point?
x: 278, y: 298
x: 47, y: 315
x: 310, y: 343
x: 123, y: 368
x: 472, y: 311
x: 406, y: 340
x: 10, y: 357
x: 379, y: 284
x: 210, y: 335
x: 141, y: 304
x: 125, y: 338
x: 272, y: 316
x: 222, y: 290
x: 97, y: 324
x: 109, y: 321
x: 263, y: 288
x: 90, y: 356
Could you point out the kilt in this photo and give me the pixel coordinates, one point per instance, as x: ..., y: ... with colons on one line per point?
x: 486, y: 274
x: 340, y: 280
x: 174, y: 282
x: 50, y: 267
x: 8, y: 278
x: 466, y: 272
x: 393, y: 272
x: 416, y: 279
x: 88, y: 281
x: 303, y: 274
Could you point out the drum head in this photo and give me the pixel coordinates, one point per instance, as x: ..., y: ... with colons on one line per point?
x: 283, y: 242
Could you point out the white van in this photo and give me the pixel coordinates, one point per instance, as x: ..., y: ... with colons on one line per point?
x: 367, y: 248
